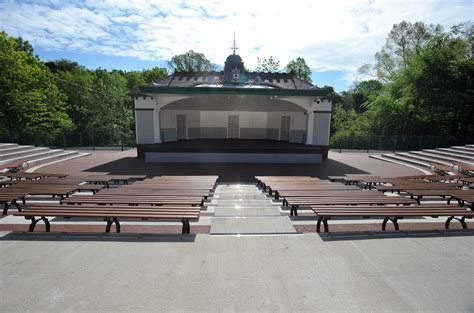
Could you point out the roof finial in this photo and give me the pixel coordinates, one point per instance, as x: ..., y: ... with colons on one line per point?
x: 234, y: 47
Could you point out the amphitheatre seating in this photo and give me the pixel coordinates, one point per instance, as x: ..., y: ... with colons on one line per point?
x: 9, y: 200
x: 110, y: 214
x: 418, y: 186
x: 390, y: 213
x: 370, y: 200
x: 14, y: 167
x: 465, y: 168
x: 133, y: 200
x: 163, y: 190
x: 441, y: 169
x: 419, y: 194
x: 26, y: 176
x: 467, y: 180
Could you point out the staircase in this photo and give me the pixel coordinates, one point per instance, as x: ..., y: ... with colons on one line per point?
x: 423, y: 159
x: 11, y: 152
x: 242, y: 209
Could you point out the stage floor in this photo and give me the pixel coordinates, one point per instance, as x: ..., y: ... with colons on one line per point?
x: 233, y: 146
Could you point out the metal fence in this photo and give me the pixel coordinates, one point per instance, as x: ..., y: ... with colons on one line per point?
x: 93, y: 139
x: 396, y: 143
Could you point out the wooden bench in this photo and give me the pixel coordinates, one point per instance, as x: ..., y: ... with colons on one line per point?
x: 418, y: 186
x: 392, y: 214
x: 308, y: 202
x: 11, y: 200
x: 130, y: 200
x: 419, y: 194
x: 110, y: 214
x: 441, y: 169
x: 26, y: 176
x: 290, y: 194
x: 14, y: 167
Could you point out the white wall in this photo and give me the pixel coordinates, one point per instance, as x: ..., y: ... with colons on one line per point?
x: 144, y: 126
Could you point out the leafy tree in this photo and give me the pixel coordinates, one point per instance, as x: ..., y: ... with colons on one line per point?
x: 190, y: 61
x: 299, y: 68
x: 154, y: 74
x: 399, y: 46
x: 30, y: 102
x: 268, y: 65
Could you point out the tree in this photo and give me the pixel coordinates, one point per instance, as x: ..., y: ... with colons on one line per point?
x: 268, y: 65
x: 31, y: 104
x: 154, y: 74
x: 300, y: 69
x: 190, y: 61
x: 395, y: 55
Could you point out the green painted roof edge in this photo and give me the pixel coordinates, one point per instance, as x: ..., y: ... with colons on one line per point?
x: 233, y: 91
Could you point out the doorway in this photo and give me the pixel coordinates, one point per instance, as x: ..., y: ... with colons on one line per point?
x: 181, y: 126
x: 233, y: 126
x: 285, y: 128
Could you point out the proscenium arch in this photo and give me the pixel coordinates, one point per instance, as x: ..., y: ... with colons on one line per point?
x: 234, y: 103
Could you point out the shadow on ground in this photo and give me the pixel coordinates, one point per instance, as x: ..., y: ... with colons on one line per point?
x: 228, y: 172
x: 52, y: 236
x: 370, y: 235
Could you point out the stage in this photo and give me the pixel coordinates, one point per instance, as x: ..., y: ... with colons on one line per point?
x: 232, y: 151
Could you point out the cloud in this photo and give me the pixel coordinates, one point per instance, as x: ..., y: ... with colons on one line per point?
x: 331, y: 35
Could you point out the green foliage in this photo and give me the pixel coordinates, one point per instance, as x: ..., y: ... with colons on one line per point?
x: 430, y: 95
x: 190, y: 61
x: 40, y: 100
x: 29, y: 97
x: 267, y: 65
x: 299, y: 68
x: 399, y: 47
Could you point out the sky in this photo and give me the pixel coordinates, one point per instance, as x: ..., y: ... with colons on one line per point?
x: 334, y: 37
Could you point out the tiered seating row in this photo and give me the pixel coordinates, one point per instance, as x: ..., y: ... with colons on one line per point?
x: 330, y: 200
x: 164, y: 198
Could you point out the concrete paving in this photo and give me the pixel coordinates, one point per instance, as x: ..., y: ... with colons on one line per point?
x: 251, y: 225
x: 205, y: 273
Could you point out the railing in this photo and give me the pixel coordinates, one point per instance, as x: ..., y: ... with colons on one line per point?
x: 93, y: 139
x: 397, y: 143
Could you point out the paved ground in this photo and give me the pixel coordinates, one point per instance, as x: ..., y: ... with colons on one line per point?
x: 205, y: 273
x: 126, y: 162
x: 407, y: 271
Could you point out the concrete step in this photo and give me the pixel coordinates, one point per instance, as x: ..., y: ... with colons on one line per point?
x: 427, y: 160
x: 34, y: 156
x: 7, y: 145
x: 22, y: 153
x: 450, y: 154
x: 15, y: 149
x: 463, y: 148
x: 405, y: 159
x: 461, y: 152
x: 51, y: 158
x: 398, y: 161
x: 437, y: 158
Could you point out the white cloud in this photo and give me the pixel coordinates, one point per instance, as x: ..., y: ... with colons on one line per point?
x: 330, y: 35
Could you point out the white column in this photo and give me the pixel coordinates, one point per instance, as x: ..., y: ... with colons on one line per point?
x: 156, y: 125
x: 309, y: 127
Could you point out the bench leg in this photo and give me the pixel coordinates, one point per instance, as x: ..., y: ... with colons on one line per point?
x: 393, y: 220
x: 5, y: 208
x: 277, y: 195
x: 111, y: 221
x: 294, y: 210
x: 34, y: 221
x: 186, y: 229
x: 461, y: 220
x: 323, y: 220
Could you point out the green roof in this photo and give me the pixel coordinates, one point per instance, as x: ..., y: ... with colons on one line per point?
x: 148, y: 90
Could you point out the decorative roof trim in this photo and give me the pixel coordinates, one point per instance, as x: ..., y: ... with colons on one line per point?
x: 233, y: 91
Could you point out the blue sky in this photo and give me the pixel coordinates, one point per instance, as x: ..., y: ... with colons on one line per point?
x: 335, y: 37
